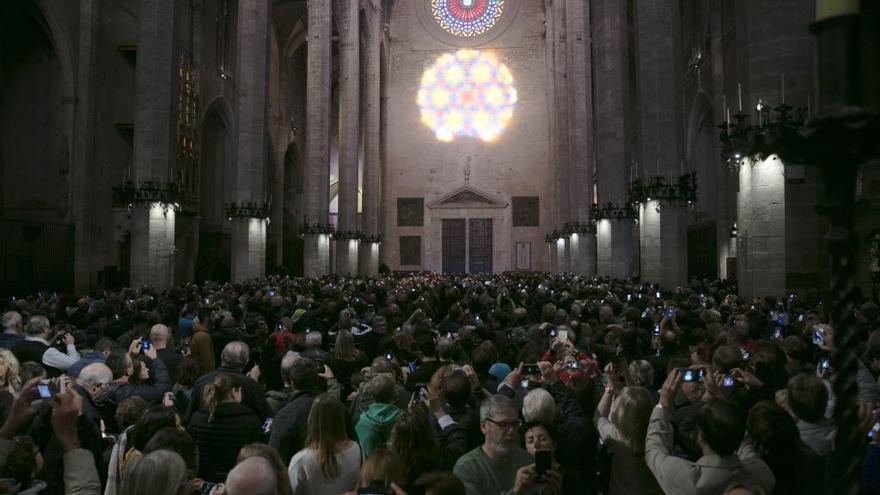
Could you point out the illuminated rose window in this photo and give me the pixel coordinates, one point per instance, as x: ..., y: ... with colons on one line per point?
x: 468, y: 93
x: 467, y: 18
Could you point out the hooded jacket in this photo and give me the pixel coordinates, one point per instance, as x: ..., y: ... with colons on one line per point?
x: 374, y: 427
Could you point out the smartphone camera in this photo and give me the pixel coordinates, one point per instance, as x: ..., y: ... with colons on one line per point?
x: 818, y: 338
x: 267, y: 425
x: 553, y: 332
x: 658, y: 294
x: 780, y: 319
x: 389, y: 356
x: 777, y: 333
x: 272, y: 293
x: 801, y: 318
x: 746, y: 355
x: 449, y: 335
x: 145, y: 344
x: 692, y: 375
x: 874, y: 429
x: 543, y: 460
x: 825, y: 364
x: 629, y: 297
x: 656, y: 331
x: 670, y: 311
x: 728, y: 381
x: 412, y: 366
x: 524, y: 383
x: 207, y: 486
x: 44, y: 391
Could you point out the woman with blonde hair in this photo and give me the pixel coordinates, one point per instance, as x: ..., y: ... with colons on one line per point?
x: 9, y: 369
x: 223, y: 428
x: 624, y: 435
x: 330, y: 462
x: 162, y: 472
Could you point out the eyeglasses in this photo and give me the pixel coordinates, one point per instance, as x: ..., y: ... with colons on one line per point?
x: 507, y: 425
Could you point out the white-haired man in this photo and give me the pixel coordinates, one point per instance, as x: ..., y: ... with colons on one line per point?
x: 35, y: 347
x: 11, y: 330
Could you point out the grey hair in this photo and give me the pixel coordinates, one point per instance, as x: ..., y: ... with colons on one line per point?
x: 94, y: 374
x: 641, y: 374
x: 160, y: 332
x: 11, y: 319
x: 491, y: 406
x: 235, y: 354
x: 287, y: 363
x: 160, y: 473
x: 314, y: 339
x: 539, y: 406
x: 37, y: 325
x: 254, y: 476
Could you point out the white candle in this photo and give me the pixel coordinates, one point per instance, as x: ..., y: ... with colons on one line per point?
x: 728, y: 121
x: 739, y: 92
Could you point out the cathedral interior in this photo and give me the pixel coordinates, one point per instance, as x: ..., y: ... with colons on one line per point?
x: 159, y: 142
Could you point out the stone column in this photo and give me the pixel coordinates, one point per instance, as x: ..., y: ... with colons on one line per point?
x: 370, y: 123
x: 152, y: 226
x: 349, y: 142
x: 582, y: 247
x: 317, y: 174
x: 613, y: 127
x: 663, y: 244
x: 83, y: 148
x: 249, y: 234
x: 561, y: 138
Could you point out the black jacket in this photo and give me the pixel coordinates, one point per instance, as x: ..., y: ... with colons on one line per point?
x: 290, y: 425
x: 116, y: 392
x: 251, y: 394
x: 234, y: 425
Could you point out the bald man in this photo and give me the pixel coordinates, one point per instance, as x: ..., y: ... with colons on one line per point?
x: 160, y: 338
x: 253, y: 476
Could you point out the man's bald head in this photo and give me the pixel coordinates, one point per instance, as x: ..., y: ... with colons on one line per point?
x: 253, y: 475
x: 235, y: 355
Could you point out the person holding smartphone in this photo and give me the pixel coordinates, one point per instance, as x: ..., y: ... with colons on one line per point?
x: 500, y: 465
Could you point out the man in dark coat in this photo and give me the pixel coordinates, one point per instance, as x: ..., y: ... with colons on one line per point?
x: 289, y: 428
x: 233, y: 359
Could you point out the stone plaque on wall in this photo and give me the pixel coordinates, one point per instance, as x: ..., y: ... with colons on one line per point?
x: 410, y: 212
x: 525, y: 211
x: 410, y: 250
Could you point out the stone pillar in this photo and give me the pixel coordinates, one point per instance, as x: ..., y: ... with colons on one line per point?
x: 663, y: 244
x: 349, y: 142
x: 762, y: 211
x: 83, y: 148
x: 552, y: 256
x: 249, y: 234
x: 560, y: 136
x: 152, y: 226
x: 582, y: 247
x: 613, y: 130
x: 370, y: 123
x: 317, y: 174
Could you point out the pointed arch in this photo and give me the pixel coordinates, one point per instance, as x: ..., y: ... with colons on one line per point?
x: 701, y: 150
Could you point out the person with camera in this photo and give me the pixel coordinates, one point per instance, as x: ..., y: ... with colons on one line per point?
x: 721, y: 428
x: 500, y: 465
x: 122, y: 365
x: 36, y: 347
x: 623, y: 431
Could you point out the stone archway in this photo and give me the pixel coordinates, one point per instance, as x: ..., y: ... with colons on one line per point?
x: 216, y: 180
x: 36, y: 151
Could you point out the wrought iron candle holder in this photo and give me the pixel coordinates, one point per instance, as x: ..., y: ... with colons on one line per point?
x: 613, y: 211
x: 129, y: 195
x: 741, y: 139
x: 658, y: 188
x: 248, y: 210
x: 305, y: 228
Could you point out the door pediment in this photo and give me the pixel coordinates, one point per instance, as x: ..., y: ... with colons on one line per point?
x: 467, y: 196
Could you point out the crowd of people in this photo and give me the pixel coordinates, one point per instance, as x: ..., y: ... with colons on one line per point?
x: 427, y: 384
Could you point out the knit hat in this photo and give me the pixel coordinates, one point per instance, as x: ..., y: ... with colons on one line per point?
x: 500, y: 371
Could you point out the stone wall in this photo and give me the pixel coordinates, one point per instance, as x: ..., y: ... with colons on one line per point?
x: 514, y: 164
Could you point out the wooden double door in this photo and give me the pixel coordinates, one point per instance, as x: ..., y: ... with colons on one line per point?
x: 467, y: 245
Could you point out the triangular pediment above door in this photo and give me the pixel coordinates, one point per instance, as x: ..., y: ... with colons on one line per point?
x: 467, y: 196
